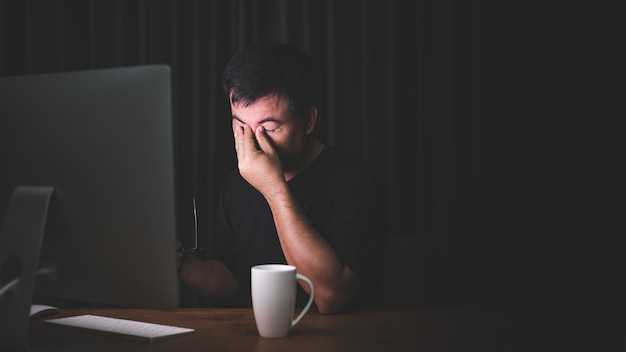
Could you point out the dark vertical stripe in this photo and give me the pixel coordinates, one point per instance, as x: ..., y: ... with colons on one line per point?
x: 592, y: 187
x: 175, y: 49
x: 119, y: 32
x: 557, y: 170
x: 92, y: 34
x: 529, y: 115
x: 331, y: 72
x: 255, y: 26
x: 284, y: 34
x: 389, y: 111
x: 195, y: 84
x: 419, y: 145
x: 214, y: 92
x: 472, y: 207
x: 29, y: 36
x: 305, y: 38
x: 142, y: 32
x: 365, y: 66
x: 240, y: 22
x: 3, y: 39
x: 60, y: 15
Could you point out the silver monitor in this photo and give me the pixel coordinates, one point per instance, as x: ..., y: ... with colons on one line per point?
x: 96, y: 149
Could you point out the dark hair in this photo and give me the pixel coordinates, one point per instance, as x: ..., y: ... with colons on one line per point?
x: 272, y: 68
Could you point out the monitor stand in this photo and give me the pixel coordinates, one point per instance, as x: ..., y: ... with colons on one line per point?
x: 21, y: 236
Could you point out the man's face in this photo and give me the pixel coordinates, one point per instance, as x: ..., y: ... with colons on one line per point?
x: 285, y: 130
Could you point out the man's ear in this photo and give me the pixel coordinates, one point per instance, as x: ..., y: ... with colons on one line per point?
x: 311, y: 119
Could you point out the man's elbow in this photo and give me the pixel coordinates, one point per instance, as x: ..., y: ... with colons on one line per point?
x: 331, y: 303
x: 334, y: 299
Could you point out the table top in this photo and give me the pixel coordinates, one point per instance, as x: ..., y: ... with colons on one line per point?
x: 382, y: 329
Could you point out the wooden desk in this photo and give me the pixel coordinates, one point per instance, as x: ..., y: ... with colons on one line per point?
x: 386, y: 330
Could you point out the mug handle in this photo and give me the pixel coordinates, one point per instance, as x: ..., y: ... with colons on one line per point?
x: 311, y: 296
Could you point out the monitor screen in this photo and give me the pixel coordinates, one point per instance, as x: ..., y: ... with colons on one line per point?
x: 103, y: 139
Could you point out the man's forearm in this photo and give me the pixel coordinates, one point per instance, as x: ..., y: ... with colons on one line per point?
x: 208, y: 278
x: 311, y: 253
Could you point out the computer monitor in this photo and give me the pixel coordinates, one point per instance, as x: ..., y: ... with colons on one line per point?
x: 92, y: 153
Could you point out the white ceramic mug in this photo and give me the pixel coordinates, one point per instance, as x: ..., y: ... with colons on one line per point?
x: 274, y: 298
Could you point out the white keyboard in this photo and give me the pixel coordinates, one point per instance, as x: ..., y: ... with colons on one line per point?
x: 129, y: 329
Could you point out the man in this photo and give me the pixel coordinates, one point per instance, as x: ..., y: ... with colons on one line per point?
x: 292, y: 199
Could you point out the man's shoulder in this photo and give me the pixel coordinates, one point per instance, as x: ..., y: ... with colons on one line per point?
x: 342, y: 161
x: 338, y: 157
x: 339, y: 167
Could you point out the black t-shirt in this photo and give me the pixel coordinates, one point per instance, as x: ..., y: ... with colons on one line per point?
x: 342, y: 197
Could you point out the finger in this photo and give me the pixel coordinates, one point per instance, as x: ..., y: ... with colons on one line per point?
x: 239, y: 131
x: 261, y: 137
x: 248, y: 142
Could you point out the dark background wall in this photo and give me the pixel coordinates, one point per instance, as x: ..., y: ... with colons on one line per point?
x: 496, y: 125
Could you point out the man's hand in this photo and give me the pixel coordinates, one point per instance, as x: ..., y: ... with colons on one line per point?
x: 261, y: 166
